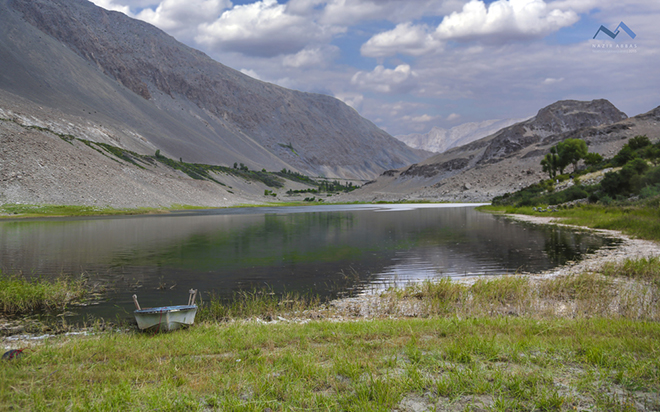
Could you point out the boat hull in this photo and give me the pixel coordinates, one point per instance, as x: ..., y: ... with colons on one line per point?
x: 166, y: 318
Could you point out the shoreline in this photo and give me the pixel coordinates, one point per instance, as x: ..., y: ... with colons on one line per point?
x: 368, y: 304
x: 630, y: 248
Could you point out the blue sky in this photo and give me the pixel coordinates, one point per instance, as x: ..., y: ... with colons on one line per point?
x: 410, y: 65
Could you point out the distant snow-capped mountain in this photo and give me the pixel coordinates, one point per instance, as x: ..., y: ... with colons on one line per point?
x: 439, y: 140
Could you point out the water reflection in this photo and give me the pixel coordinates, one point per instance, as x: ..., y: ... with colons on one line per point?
x: 292, y: 249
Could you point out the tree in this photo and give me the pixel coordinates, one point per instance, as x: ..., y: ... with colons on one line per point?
x: 550, y: 162
x: 652, y: 153
x: 625, y: 155
x: 593, y: 159
x: 639, y: 142
x: 571, y: 151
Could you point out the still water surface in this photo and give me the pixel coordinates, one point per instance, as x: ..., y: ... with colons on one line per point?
x: 314, y: 248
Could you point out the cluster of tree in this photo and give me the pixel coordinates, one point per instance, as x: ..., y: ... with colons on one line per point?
x: 639, y: 175
x: 335, y: 186
x: 295, y: 176
x: 295, y: 192
x: 565, y: 153
x: 636, y: 176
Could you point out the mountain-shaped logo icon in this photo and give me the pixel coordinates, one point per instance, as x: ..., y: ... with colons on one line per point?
x: 616, y: 32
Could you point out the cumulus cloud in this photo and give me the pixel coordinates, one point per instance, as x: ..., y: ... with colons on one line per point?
x: 415, y: 40
x: 349, y: 12
x: 352, y: 99
x: 498, y: 22
x: 507, y: 18
x: 183, y: 15
x: 263, y: 28
x: 402, y: 79
x: 311, y: 57
x: 452, y: 117
x: 251, y: 73
x: 111, y: 5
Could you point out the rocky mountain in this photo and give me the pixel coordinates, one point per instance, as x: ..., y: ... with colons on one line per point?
x: 439, y: 140
x: 510, y: 158
x: 78, y: 69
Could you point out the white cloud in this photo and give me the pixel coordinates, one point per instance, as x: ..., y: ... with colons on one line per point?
x: 400, y: 80
x: 263, y: 28
x: 111, y: 5
x: 311, y: 57
x: 178, y: 15
x: 407, y: 38
x: 504, y: 18
x: 498, y: 22
x: 452, y: 117
x: 352, y: 99
x: 251, y: 73
x: 551, y: 80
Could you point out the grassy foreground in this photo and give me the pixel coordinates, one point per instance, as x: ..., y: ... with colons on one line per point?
x: 500, y: 363
x: 584, y: 342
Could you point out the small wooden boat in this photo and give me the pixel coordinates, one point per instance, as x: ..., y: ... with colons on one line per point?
x: 166, y: 318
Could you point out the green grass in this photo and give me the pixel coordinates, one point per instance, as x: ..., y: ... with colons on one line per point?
x: 12, y: 210
x: 645, y: 269
x: 502, y: 363
x: 19, y: 295
x: 642, y: 221
x: 256, y: 303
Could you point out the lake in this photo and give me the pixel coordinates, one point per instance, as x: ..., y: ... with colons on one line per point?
x: 325, y: 249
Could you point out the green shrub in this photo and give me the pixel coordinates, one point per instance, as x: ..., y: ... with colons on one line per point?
x: 639, y: 142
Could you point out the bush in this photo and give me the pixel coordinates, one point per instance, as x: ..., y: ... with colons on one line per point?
x: 639, y: 142
x: 625, y: 155
x: 592, y: 159
x: 652, y: 177
x: 649, y: 191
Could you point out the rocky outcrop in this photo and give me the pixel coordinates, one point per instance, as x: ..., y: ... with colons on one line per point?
x: 510, y: 159
x: 555, y: 120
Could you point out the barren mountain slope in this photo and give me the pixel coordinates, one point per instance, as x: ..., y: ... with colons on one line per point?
x: 510, y: 159
x: 148, y: 90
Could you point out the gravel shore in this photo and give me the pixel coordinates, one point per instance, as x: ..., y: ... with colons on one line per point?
x: 374, y: 305
x: 628, y: 248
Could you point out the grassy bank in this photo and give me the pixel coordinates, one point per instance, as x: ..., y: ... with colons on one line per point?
x: 582, y: 342
x: 19, y: 295
x: 24, y: 210
x: 46, y: 210
x: 642, y: 221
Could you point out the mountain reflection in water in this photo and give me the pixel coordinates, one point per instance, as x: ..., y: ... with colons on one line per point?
x: 316, y: 249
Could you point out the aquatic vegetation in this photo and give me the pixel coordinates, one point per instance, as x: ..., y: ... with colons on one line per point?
x: 19, y: 295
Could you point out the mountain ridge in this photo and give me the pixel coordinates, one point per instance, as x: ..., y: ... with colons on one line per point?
x: 224, y: 115
x: 510, y: 158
